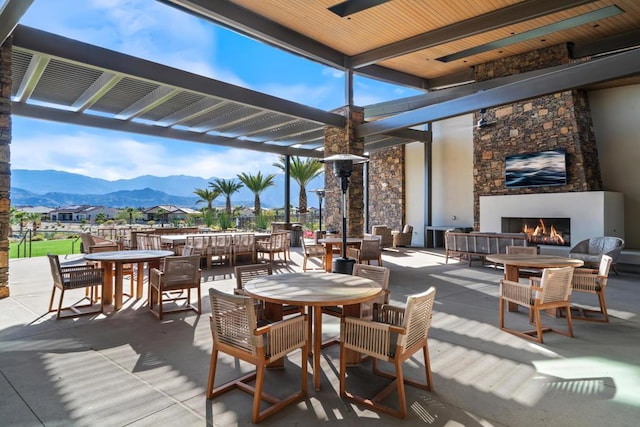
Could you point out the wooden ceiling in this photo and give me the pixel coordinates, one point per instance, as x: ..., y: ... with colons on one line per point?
x: 444, y: 27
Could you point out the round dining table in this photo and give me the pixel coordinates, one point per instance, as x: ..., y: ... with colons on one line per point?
x: 317, y: 290
x: 514, y: 262
x: 118, y: 258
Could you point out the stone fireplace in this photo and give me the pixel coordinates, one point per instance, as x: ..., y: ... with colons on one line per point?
x: 557, y: 121
x: 588, y: 213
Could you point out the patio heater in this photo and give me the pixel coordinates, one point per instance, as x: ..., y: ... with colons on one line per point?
x: 343, y: 168
x: 321, y: 193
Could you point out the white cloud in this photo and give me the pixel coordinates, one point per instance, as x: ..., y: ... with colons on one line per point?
x: 111, y: 158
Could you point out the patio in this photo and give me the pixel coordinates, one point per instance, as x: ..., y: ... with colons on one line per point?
x: 128, y: 368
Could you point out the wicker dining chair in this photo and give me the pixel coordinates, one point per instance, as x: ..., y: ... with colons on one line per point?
x: 221, y: 248
x: 394, y: 335
x: 275, y: 244
x: 592, y: 281
x: 370, y: 249
x: 86, y: 276
x: 180, y: 273
x: 551, y: 291
x: 244, y: 244
x: 200, y: 246
x: 235, y: 331
x: 312, y: 250
x: 378, y: 274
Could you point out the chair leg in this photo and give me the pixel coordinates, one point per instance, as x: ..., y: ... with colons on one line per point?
x: 538, y: 326
x: 60, y: 303
x: 569, y: 320
x: 257, y: 396
x: 402, y: 398
x: 53, y: 294
x: 212, y: 372
x: 501, y: 313
x: 603, y: 306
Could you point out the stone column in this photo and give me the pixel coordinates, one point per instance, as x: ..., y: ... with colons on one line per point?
x: 5, y: 166
x: 343, y: 141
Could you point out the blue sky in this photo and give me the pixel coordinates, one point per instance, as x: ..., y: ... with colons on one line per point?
x: 156, y: 32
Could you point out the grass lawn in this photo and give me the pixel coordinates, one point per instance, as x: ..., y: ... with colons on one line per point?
x: 41, y: 248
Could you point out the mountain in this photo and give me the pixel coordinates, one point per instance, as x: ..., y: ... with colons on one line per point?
x: 55, y: 188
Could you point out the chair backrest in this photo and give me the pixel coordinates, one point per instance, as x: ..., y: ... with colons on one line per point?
x: 555, y: 284
x: 417, y: 318
x: 188, y: 250
x: 233, y: 321
x: 180, y: 270
x: 200, y: 244
x: 244, y: 242
x: 220, y: 244
x: 605, y: 265
x: 244, y: 273
x: 56, y: 273
x: 407, y: 229
x: 313, y: 249
x: 525, y: 250
x: 370, y: 248
x: 378, y: 274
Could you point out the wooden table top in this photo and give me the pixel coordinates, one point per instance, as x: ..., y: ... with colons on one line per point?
x: 127, y: 256
x: 535, y: 261
x: 313, y: 288
x: 339, y: 240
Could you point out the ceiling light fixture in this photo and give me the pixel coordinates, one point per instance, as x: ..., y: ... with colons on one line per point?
x: 605, y: 12
x: 349, y: 7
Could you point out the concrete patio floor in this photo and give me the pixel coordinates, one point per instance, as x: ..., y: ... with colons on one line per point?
x: 129, y: 368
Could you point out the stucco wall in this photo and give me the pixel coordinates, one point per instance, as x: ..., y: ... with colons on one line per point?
x: 616, y: 124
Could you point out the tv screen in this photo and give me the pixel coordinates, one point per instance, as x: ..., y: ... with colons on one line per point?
x: 536, y: 169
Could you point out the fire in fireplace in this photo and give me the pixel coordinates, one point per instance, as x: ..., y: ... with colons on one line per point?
x: 540, y: 231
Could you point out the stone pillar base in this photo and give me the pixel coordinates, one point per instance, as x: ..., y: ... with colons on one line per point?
x: 4, y: 292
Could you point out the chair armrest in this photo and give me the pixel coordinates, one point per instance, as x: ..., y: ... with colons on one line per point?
x: 378, y: 336
x: 519, y: 293
x: 284, y: 336
x: 82, y: 278
x: 588, y: 282
x: 387, y: 313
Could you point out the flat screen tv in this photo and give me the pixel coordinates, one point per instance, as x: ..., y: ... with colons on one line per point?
x: 536, y: 169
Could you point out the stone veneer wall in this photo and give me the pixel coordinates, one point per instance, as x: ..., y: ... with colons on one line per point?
x: 343, y: 141
x: 5, y: 166
x: 560, y: 120
x: 387, y: 204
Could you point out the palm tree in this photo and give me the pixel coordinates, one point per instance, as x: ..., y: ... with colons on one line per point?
x: 302, y: 171
x: 226, y: 187
x: 207, y: 196
x: 257, y: 184
x: 35, y: 219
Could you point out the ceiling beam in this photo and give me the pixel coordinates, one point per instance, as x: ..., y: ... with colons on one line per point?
x: 10, y: 16
x: 620, y: 41
x: 32, y: 76
x: 107, y: 60
x: 44, y: 113
x: 436, y: 96
x: 519, y: 12
x: 575, y: 76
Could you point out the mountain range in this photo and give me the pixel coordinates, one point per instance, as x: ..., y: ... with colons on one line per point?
x: 55, y: 189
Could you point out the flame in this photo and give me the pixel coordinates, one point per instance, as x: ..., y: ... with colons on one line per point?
x: 540, y: 232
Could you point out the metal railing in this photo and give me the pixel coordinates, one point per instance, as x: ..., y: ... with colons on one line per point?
x: 25, y: 243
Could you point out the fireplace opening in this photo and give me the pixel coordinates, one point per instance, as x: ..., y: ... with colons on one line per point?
x: 540, y: 231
